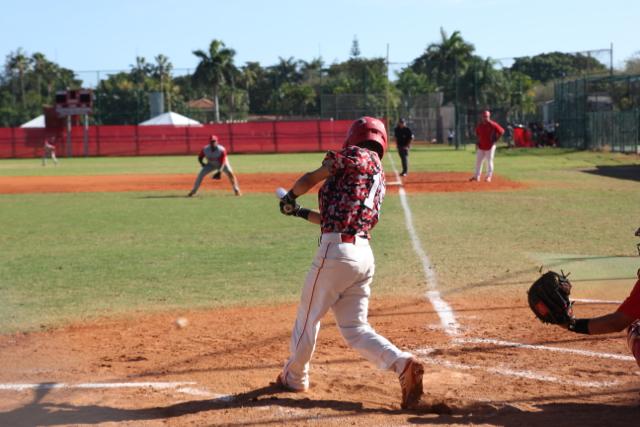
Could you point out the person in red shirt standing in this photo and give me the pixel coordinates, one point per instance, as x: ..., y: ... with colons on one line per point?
x: 343, y: 268
x: 488, y: 133
x: 626, y: 316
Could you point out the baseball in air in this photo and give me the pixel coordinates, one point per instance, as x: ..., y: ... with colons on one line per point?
x: 280, y: 192
x: 181, y: 322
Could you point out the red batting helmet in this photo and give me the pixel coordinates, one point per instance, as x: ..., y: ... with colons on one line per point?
x: 367, y: 129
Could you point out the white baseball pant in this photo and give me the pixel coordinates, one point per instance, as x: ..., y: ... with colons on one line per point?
x: 481, y: 156
x: 339, y: 280
x: 207, y: 169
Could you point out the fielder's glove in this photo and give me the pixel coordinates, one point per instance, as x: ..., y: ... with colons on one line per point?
x: 549, y: 298
x: 216, y: 175
x: 288, y: 204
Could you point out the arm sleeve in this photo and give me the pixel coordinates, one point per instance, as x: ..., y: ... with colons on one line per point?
x: 631, y: 305
x: 201, y: 155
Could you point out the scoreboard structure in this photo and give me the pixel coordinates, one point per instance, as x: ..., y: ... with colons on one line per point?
x: 74, y: 102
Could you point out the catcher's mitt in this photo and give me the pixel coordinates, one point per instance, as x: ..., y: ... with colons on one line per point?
x: 549, y: 298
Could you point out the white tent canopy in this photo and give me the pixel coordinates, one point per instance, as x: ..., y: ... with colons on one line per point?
x: 170, y: 119
x: 38, y: 122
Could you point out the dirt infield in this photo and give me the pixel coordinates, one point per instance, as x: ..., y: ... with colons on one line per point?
x: 249, y: 183
x: 500, y: 366
x: 217, y: 371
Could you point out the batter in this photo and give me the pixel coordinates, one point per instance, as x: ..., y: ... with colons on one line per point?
x: 343, y: 267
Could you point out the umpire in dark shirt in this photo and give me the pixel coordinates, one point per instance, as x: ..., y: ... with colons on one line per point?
x: 404, y: 136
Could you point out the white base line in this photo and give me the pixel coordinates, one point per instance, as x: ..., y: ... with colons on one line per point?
x: 444, y: 310
x: 586, y: 353
x: 596, y: 301
x: 530, y: 375
x: 182, y: 387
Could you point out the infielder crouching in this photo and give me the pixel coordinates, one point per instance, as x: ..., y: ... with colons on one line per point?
x: 217, y: 161
x: 343, y: 267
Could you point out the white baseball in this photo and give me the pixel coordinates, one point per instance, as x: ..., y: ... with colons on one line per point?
x: 280, y: 192
x: 182, y: 322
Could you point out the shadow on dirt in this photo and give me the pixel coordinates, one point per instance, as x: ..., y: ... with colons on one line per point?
x: 439, y: 413
x: 628, y: 172
x: 543, y: 415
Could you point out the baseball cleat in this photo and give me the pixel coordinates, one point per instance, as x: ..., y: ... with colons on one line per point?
x: 191, y: 193
x: 237, y: 192
x: 488, y: 179
x: 411, y: 383
x: 474, y: 178
x: 281, y: 382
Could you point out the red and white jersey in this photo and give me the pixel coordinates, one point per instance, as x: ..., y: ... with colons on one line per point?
x: 215, y: 156
x: 351, y: 198
x: 488, y: 133
x: 631, y: 305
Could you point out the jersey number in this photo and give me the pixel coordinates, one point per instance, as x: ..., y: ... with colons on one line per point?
x: 372, y: 193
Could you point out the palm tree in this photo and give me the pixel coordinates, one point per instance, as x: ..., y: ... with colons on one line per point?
x: 46, y: 71
x: 446, y: 61
x: 140, y: 70
x: 19, y: 62
x: 215, y: 69
x: 162, y: 71
x: 250, y: 74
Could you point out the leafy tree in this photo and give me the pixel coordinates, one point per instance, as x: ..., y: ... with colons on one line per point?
x: 119, y: 101
x: 27, y: 83
x: 632, y: 64
x: 410, y: 83
x: 214, y: 70
x: 295, y: 99
x: 557, y: 65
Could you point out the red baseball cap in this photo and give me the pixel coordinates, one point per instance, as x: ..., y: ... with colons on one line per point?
x: 213, y: 137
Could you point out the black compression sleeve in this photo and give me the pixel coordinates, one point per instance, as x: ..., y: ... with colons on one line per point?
x: 579, y: 326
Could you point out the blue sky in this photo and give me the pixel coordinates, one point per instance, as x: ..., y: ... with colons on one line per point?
x: 109, y: 34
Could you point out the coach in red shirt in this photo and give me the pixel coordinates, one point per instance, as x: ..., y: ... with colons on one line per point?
x: 488, y: 133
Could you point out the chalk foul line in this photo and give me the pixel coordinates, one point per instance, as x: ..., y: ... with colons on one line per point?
x: 185, y: 387
x: 442, y: 308
x: 502, y: 343
x: 508, y: 372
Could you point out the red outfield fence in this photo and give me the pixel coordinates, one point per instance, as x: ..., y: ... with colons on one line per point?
x: 252, y: 137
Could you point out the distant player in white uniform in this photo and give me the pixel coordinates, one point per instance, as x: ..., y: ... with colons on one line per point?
x: 342, y: 270
x: 49, y: 150
x: 217, y: 161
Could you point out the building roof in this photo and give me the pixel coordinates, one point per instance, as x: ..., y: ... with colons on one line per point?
x: 172, y: 119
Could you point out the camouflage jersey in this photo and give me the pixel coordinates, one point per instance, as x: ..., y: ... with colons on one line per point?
x: 351, y: 197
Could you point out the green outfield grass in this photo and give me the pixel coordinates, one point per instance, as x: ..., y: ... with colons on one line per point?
x: 71, y: 256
